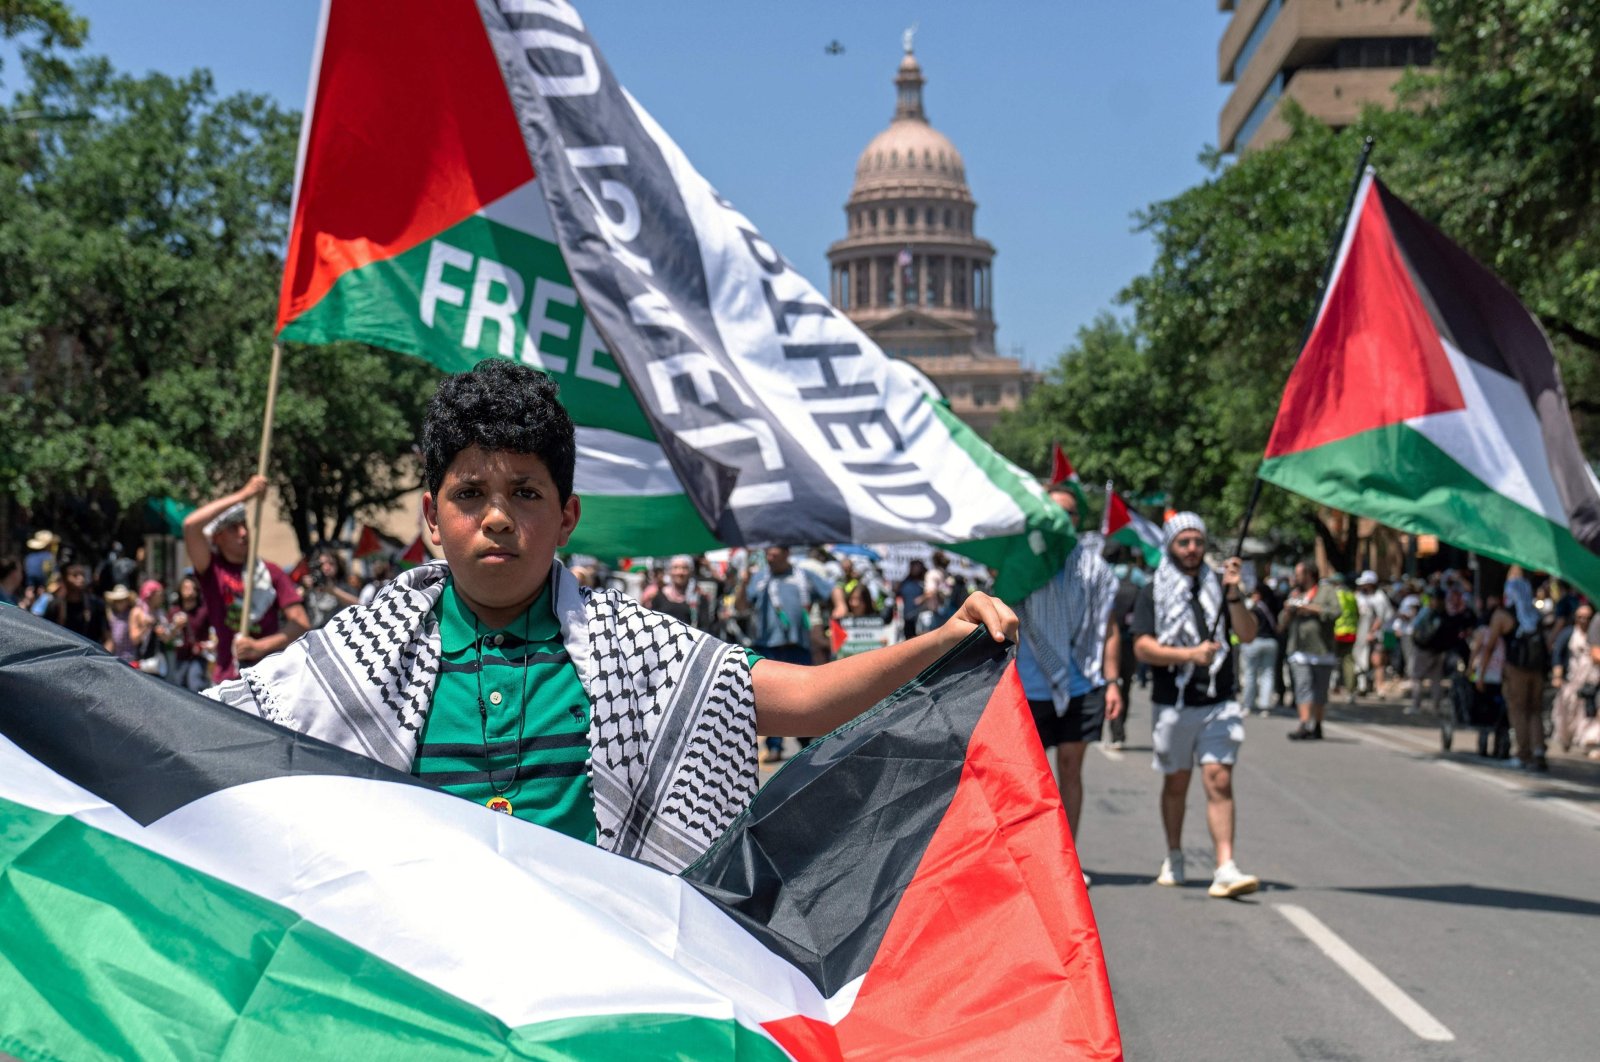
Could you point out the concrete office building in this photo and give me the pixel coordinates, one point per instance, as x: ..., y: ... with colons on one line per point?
x: 911, y: 271
x: 1332, y: 57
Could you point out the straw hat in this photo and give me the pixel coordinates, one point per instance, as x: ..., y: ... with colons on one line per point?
x: 118, y: 594
x: 43, y: 540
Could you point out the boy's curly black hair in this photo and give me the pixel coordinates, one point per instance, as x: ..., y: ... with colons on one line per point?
x: 498, y: 405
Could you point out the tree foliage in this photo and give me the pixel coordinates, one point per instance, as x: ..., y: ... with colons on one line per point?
x: 140, y: 253
x: 1500, y: 146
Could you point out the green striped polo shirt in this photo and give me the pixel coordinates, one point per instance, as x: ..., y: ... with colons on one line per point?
x: 491, y: 681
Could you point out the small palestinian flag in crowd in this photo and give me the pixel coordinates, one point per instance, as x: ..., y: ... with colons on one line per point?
x: 369, y: 542
x: 1428, y: 398
x: 1062, y: 474
x: 1124, y: 525
x: 300, y: 571
x: 180, y: 878
x: 415, y: 554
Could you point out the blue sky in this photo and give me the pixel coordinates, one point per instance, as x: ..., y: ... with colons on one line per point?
x: 1071, y: 115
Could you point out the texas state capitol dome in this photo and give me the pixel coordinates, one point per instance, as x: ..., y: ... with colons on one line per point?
x: 912, y: 273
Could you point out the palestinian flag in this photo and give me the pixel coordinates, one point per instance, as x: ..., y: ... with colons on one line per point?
x: 369, y: 542
x: 1428, y: 398
x: 1122, y: 524
x: 474, y: 182
x: 177, y: 878
x: 415, y: 554
x: 1062, y: 474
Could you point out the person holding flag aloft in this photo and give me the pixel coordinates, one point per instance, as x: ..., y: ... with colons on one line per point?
x: 1181, y: 627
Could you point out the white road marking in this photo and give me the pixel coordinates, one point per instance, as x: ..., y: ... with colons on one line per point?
x: 1488, y: 776
x: 1368, y: 976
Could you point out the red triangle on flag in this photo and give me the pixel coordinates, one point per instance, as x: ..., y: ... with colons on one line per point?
x: 1375, y: 356
x: 300, y: 571
x: 369, y: 542
x: 410, y: 130
x: 1061, y: 469
x: 1116, y: 515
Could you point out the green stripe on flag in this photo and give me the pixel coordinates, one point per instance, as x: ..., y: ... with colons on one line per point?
x: 1026, y: 561
x: 625, y: 525
x: 1399, y: 477
x: 110, y: 950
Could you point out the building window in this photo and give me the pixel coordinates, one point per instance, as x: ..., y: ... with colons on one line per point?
x: 927, y: 217
x: 1258, y: 32
x: 886, y: 272
x: 935, y: 268
x: 889, y: 218
x: 874, y: 216
x: 1379, y: 52
x: 986, y: 395
x: 958, y: 283
x: 841, y: 284
x: 894, y: 159
x: 947, y: 219
x: 863, y: 280
x: 1258, y: 113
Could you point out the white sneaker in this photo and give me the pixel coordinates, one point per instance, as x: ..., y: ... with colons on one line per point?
x: 1171, y: 869
x: 1230, y: 881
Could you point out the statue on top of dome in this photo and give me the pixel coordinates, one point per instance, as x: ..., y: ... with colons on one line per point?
x: 906, y: 36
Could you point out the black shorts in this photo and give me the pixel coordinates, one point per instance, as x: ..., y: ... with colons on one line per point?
x: 1084, y: 719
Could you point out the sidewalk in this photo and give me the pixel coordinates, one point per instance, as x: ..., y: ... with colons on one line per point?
x: 1420, y: 734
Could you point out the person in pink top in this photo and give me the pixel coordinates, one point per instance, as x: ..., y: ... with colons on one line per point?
x: 218, y: 543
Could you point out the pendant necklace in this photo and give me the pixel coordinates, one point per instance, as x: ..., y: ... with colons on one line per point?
x: 498, y: 801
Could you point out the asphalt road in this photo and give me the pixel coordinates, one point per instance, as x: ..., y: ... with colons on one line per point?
x: 1467, y: 896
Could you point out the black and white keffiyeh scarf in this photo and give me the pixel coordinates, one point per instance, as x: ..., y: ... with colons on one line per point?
x: 1178, y: 622
x: 672, y: 726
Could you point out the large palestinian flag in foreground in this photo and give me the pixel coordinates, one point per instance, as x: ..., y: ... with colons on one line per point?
x: 1428, y: 398
x: 177, y: 879
x: 473, y: 182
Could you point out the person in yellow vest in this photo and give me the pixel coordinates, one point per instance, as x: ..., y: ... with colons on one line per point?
x: 1344, y: 636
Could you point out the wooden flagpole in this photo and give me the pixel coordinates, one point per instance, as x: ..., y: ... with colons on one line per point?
x: 253, y: 516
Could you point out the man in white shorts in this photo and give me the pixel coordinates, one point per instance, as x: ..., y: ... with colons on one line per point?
x: 1181, y: 624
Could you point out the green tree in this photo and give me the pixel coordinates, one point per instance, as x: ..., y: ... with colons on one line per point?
x: 140, y: 253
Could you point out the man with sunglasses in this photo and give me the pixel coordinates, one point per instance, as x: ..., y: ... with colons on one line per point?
x: 1181, y: 627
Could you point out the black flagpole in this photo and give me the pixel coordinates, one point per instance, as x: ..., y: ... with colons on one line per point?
x: 1311, y: 322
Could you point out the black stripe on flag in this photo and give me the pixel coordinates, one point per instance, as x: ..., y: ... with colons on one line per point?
x: 849, y: 818
x: 135, y: 741
x: 1481, y: 317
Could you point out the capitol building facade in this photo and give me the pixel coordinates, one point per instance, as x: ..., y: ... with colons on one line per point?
x: 911, y: 270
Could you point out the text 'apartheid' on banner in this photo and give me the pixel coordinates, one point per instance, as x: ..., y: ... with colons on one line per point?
x: 473, y: 182
x: 783, y: 420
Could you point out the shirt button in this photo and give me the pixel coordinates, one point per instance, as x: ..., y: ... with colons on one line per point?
x: 499, y: 639
x: 494, y: 698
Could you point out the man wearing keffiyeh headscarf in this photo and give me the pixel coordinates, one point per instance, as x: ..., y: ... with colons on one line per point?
x: 1181, y: 625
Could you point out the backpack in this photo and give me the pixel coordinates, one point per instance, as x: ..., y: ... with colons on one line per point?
x: 1528, y: 651
x: 1426, y: 628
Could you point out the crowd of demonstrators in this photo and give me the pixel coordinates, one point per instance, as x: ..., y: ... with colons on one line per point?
x: 186, y: 634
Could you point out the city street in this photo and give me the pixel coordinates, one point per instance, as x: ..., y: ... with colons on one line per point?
x: 1463, y: 901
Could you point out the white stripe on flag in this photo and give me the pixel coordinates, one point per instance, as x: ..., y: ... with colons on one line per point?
x: 521, y: 921
x: 1496, y: 437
